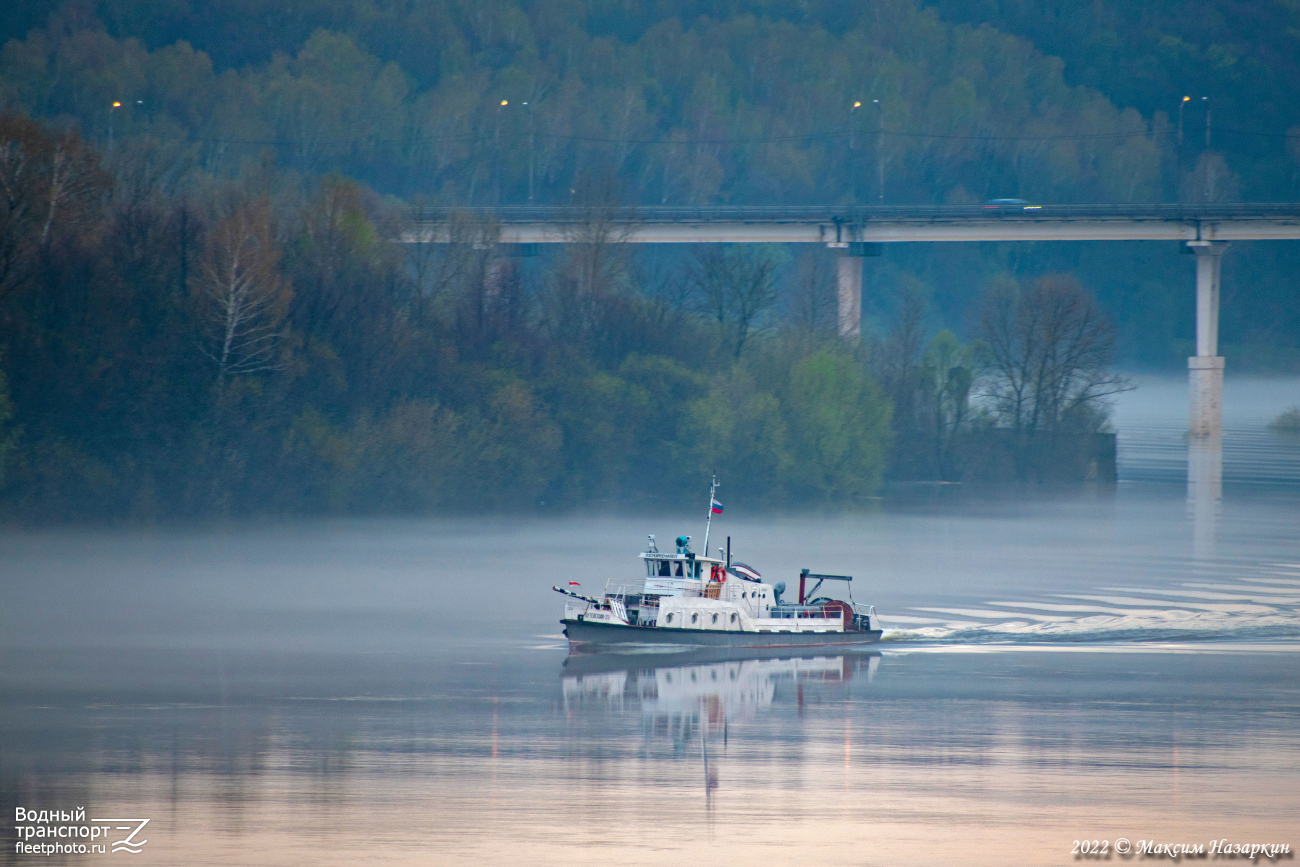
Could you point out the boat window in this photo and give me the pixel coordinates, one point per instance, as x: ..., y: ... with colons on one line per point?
x: 715, y: 618
x: 678, y: 573
x: 733, y: 618
x: 695, y: 618
x: 668, y: 619
x: 663, y: 568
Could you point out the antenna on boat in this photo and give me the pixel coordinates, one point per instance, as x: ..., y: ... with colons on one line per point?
x: 713, y: 487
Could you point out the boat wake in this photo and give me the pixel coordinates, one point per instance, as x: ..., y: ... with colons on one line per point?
x: 1264, y: 606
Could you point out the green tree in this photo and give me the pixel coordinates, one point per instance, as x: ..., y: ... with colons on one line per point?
x: 947, y: 373
x: 513, y: 451
x: 839, y: 428
x: 739, y: 432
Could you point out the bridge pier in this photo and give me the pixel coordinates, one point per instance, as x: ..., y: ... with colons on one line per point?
x: 1205, y: 381
x: 1205, y: 369
x: 848, y: 281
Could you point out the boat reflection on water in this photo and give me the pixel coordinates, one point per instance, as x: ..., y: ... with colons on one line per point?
x: 723, y: 682
x: 697, y: 693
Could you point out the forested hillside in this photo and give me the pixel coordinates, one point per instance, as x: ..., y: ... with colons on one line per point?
x: 705, y: 102
x: 694, y: 103
x: 160, y: 155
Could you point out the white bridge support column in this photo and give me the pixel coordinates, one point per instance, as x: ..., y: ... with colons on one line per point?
x: 1205, y: 378
x: 849, y: 284
x: 1205, y: 369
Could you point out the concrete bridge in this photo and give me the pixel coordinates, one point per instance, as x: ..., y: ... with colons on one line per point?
x: 856, y: 232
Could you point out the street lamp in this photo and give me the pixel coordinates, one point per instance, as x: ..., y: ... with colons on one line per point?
x: 532, y: 144
x: 532, y: 150
x: 112, y: 109
x: 853, y: 164
x: 880, y: 149
x: 497, y: 141
x: 1206, y: 101
x: 1178, y: 180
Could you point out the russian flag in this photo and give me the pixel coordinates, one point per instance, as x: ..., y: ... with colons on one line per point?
x: 717, y: 507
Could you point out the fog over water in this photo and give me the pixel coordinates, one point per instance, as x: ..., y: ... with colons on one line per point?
x: 1053, y: 667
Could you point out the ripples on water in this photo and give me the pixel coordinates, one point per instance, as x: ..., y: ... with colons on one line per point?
x: 356, y: 692
x: 1151, y: 423
x: 1265, y: 605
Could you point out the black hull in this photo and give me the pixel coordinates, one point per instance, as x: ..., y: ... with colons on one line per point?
x: 590, y: 637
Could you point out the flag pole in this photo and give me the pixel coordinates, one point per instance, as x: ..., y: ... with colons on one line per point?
x: 709, y: 521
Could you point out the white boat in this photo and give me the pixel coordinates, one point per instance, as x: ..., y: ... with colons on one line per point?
x: 691, y: 599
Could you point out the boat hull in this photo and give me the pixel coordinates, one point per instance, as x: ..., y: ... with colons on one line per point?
x: 631, y: 658
x: 586, y: 636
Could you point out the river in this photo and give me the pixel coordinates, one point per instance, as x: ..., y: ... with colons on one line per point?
x: 1103, y: 667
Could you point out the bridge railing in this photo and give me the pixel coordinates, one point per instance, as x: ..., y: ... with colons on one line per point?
x: 857, y: 214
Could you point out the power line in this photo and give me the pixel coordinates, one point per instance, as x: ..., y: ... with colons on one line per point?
x: 671, y: 142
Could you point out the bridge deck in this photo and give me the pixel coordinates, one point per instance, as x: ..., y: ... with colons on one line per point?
x: 828, y: 224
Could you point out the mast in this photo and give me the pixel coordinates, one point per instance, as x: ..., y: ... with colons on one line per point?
x: 713, y: 487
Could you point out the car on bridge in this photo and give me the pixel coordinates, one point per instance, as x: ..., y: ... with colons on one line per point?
x: 1009, y: 205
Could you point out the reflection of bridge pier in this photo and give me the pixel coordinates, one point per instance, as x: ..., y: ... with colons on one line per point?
x: 1204, y: 492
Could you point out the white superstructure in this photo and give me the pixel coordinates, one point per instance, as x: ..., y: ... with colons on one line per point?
x: 685, y: 591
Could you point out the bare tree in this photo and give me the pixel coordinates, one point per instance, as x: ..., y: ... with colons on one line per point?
x: 1211, y: 180
x: 595, y: 267
x: 449, y: 256
x: 1046, y: 353
x: 72, y: 179
x: 735, y: 286
x: 242, y: 295
x: 811, y: 307
x: 45, y: 180
x: 603, y: 224
x: 16, y: 200
x: 900, y: 353
x: 897, y: 360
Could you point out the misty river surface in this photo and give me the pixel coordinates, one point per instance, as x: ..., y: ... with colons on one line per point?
x: 1055, y: 668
